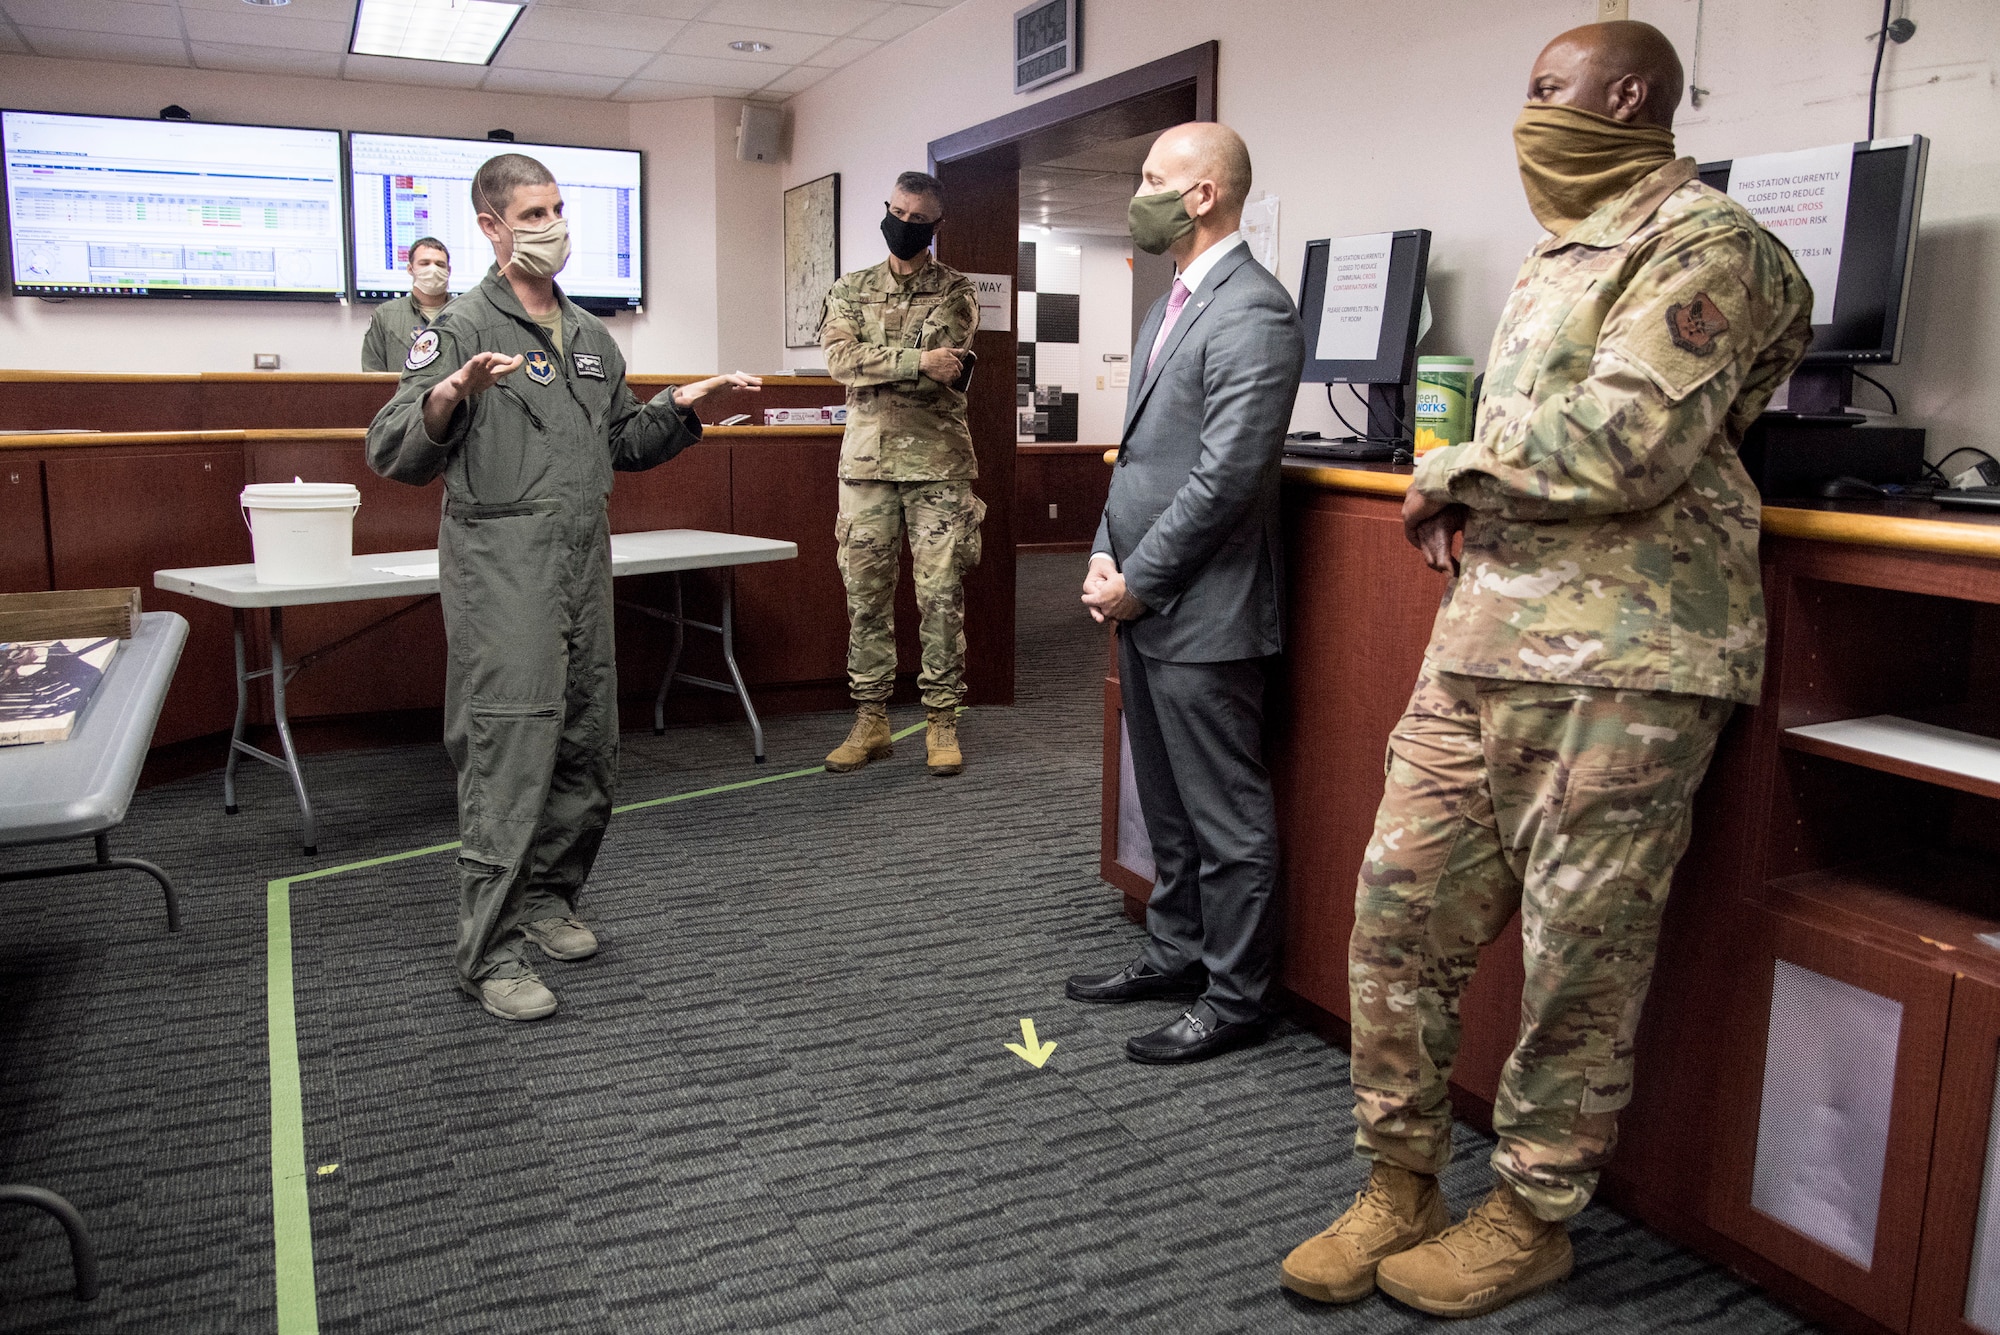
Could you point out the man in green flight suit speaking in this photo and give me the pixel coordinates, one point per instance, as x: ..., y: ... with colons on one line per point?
x: 518, y: 399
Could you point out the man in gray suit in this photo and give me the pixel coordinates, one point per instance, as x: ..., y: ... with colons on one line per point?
x: 1189, y: 563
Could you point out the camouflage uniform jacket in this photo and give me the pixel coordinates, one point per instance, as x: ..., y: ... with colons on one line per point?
x: 1612, y: 539
x: 902, y: 426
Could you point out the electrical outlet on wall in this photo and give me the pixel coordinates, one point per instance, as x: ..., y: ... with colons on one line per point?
x: 1052, y: 509
x: 1609, y: 11
x: 264, y: 361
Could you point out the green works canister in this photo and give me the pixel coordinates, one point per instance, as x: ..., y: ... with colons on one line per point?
x: 1444, y: 402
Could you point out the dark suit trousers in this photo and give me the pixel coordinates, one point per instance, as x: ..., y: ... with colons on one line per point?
x: 1197, y: 732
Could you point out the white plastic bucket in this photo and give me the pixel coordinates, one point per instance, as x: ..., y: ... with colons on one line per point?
x: 301, y: 532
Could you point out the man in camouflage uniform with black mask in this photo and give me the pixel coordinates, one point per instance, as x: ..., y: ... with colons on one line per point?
x: 898, y: 336
x: 1605, y: 617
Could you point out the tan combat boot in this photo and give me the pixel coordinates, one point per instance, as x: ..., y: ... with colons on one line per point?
x: 1496, y: 1254
x: 867, y: 740
x: 941, y: 751
x: 1396, y: 1210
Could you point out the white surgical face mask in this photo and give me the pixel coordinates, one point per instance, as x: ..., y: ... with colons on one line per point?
x: 541, y: 252
x: 431, y: 278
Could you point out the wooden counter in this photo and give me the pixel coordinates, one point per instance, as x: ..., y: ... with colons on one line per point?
x: 1869, y: 872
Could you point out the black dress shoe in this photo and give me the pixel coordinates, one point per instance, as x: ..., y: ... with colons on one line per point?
x: 1194, y: 1037
x: 1137, y: 981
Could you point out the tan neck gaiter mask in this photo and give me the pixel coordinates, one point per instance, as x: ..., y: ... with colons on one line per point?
x: 1574, y: 161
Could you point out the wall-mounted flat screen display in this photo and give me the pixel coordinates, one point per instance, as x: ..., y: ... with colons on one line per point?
x: 117, y: 207
x: 411, y: 186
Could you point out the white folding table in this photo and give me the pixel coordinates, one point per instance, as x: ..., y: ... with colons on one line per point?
x: 415, y: 574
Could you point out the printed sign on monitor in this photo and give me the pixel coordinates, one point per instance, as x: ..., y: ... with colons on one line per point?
x: 411, y: 186
x: 111, y: 206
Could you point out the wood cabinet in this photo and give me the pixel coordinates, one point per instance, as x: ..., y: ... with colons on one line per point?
x: 24, y: 539
x: 116, y: 516
x: 1071, y: 480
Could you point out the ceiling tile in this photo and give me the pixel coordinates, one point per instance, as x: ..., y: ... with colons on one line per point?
x: 121, y: 16
x: 266, y: 60
x: 547, y: 82
x: 898, y: 20
x: 590, y: 27
x: 712, y: 40
x: 840, y: 51
x: 425, y: 73
x: 796, y: 80
x: 325, y: 11
x: 738, y: 74
x: 65, y: 44
x: 561, y: 57
x: 832, y: 17
x: 266, y: 27
x: 11, y: 44
x: 656, y: 90
x: 653, y: 9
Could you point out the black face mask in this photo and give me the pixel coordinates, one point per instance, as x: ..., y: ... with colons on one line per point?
x: 906, y: 239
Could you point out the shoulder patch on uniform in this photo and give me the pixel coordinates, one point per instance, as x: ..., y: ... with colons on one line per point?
x: 423, y: 350
x: 588, y: 364
x: 1693, y: 325
x: 540, y: 369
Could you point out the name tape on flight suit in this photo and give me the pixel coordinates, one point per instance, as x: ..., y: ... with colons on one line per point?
x: 588, y: 364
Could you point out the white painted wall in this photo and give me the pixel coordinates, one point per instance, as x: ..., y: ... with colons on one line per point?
x: 691, y: 167
x: 1104, y: 325
x: 1365, y: 117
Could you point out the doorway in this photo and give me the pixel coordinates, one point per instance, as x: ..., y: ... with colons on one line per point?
x: 982, y: 171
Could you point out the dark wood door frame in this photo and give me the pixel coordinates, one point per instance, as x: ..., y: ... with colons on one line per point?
x: 981, y: 171
x: 1076, y: 120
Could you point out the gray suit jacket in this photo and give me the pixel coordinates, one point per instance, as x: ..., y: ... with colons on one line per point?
x: 1192, y: 518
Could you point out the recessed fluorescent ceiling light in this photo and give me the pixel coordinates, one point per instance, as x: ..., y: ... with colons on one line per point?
x: 463, y: 32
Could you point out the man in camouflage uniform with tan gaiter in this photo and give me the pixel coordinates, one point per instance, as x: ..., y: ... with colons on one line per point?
x: 897, y: 336
x: 1605, y: 617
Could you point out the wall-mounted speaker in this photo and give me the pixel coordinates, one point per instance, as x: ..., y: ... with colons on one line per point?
x: 758, y: 131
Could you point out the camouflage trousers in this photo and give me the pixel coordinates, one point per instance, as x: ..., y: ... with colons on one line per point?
x: 1571, y: 804
x: 942, y: 519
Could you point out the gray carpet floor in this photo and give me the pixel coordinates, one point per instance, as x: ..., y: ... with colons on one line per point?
x: 778, y: 1100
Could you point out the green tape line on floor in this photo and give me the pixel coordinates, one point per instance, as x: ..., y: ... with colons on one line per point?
x: 291, y: 1210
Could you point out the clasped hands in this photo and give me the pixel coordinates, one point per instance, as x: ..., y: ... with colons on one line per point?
x: 1430, y: 525
x: 1105, y: 594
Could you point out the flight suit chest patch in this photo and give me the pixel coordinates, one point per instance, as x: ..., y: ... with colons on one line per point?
x: 540, y: 369
x: 423, y: 350
x: 588, y: 365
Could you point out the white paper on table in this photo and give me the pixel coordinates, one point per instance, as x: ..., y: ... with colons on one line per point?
x: 426, y: 571
x: 1357, y: 283
x: 1260, y: 231
x: 1802, y: 198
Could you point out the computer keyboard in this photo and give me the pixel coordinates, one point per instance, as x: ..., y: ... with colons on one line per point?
x: 1970, y: 498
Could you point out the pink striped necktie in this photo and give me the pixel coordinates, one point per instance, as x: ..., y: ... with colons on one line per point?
x: 1174, y: 304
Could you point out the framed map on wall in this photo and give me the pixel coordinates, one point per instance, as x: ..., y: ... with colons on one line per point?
x: 812, y: 256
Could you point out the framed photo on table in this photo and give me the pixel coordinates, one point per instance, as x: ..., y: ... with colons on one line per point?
x: 812, y: 256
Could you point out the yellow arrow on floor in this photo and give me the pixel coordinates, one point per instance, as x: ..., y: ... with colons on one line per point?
x: 1029, y: 1049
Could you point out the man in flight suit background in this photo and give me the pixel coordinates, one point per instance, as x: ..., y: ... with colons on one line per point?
x: 518, y: 399
x: 897, y: 336
x: 396, y: 322
x: 1605, y: 617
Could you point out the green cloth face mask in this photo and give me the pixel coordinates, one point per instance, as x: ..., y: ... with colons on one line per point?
x: 1157, y: 221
